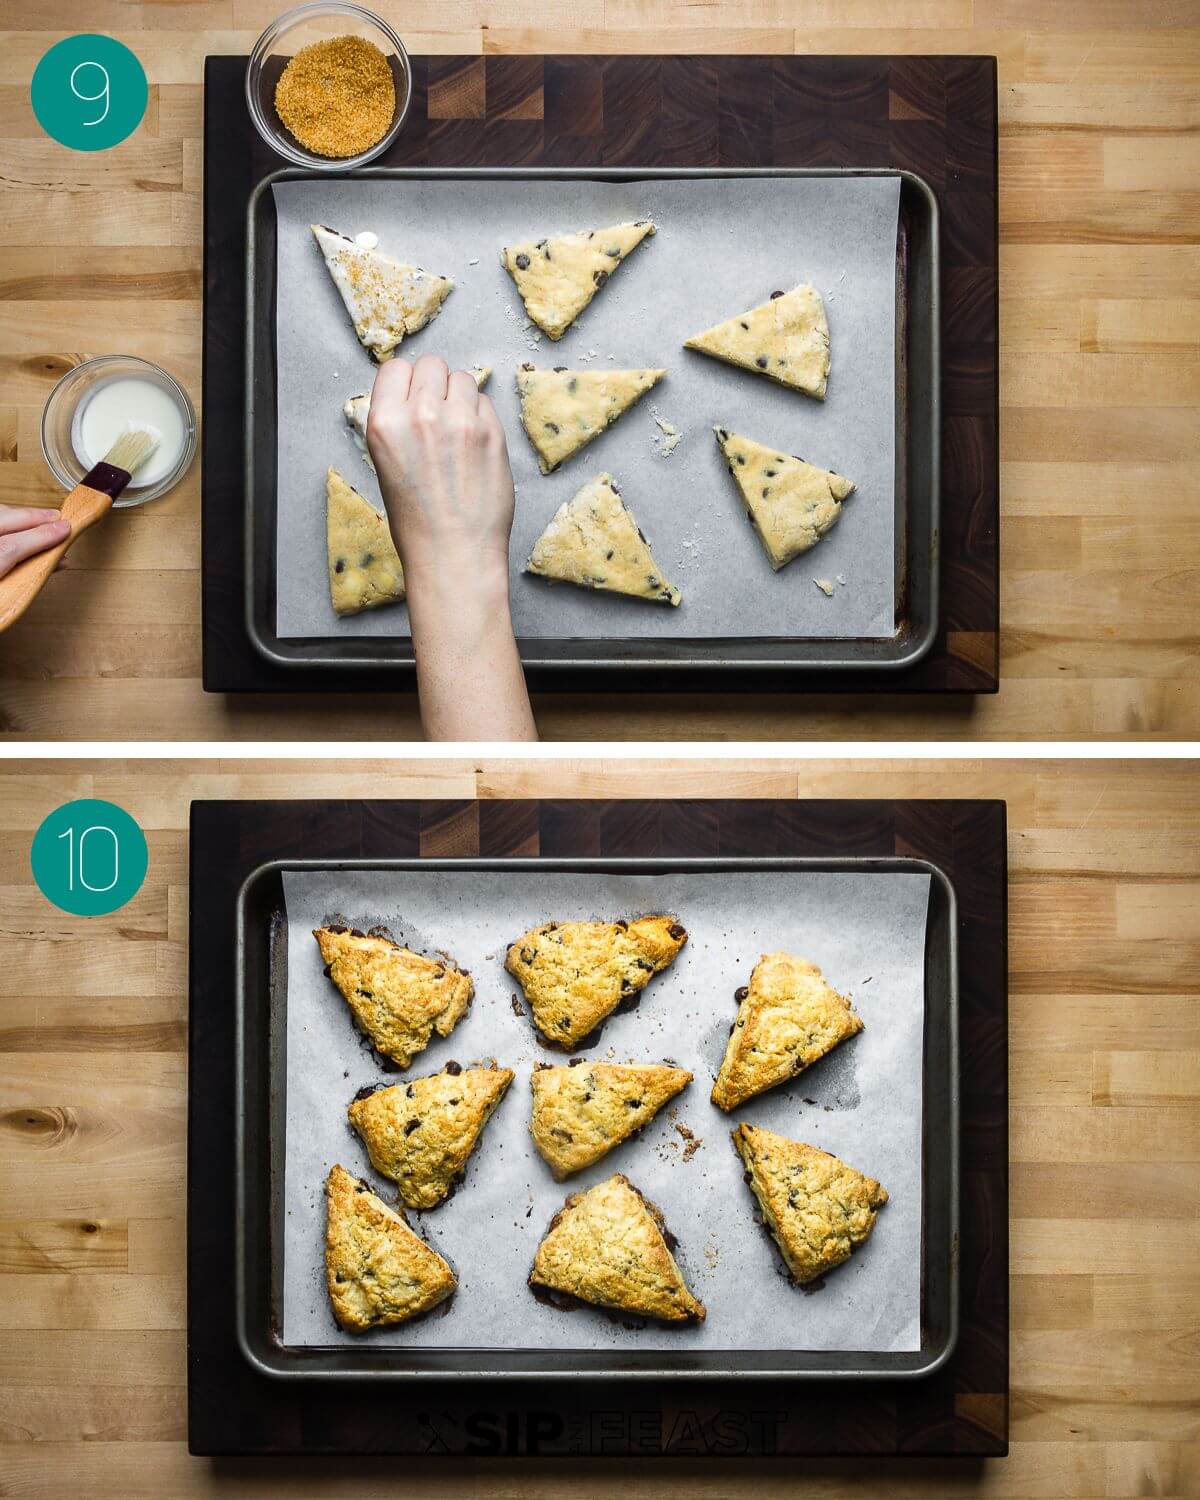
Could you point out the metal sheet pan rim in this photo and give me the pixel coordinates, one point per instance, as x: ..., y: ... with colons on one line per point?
x: 553, y: 1365
x: 714, y: 648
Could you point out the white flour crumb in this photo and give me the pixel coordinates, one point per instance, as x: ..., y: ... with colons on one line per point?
x: 841, y: 578
x: 825, y: 586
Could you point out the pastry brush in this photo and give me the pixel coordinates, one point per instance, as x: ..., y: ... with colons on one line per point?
x: 88, y: 502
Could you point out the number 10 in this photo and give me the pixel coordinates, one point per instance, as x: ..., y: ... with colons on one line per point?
x: 89, y: 98
x: 69, y: 835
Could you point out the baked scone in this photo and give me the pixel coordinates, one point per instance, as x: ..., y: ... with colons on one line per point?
x: 386, y: 298
x: 420, y: 1133
x: 786, y: 338
x: 791, y: 503
x: 580, y: 1113
x: 594, y: 542
x: 563, y: 410
x: 574, y: 974
x: 609, y: 1246
x: 816, y: 1207
x: 377, y: 1270
x: 358, y: 408
x: 398, y: 997
x: 558, y: 277
x: 364, y: 567
x: 788, y: 1018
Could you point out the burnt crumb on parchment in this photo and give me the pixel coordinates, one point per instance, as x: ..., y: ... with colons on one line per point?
x: 692, y: 1142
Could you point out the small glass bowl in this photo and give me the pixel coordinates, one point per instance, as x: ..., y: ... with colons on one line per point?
x: 280, y: 43
x: 58, y: 421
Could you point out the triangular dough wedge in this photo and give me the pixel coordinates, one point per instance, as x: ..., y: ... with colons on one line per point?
x: 377, y: 1270
x: 398, y: 997
x: 563, y: 410
x: 593, y: 541
x: 386, y: 298
x: 788, y: 1018
x: 574, y: 974
x: 558, y: 277
x: 816, y: 1207
x: 786, y: 339
x: 580, y: 1113
x: 791, y: 503
x: 358, y: 408
x: 609, y: 1246
x: 364, y: 567
x: 420, y: 1133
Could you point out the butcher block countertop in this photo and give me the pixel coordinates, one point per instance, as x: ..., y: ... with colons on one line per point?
x: 1104, y: 1139
x: 1100, y: 383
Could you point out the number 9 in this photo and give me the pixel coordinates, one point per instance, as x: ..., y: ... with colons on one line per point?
x: 90, y: 98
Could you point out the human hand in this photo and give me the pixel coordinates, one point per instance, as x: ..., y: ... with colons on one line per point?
x: 26, y: 530
x: 439, y: 450
x: 442, y: 460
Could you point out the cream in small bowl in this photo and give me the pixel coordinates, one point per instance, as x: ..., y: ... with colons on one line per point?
x: 96, y: 401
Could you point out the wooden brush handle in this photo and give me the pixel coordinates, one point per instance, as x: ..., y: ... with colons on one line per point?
x: 87, y: 503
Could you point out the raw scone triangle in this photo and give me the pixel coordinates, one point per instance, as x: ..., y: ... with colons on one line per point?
x: 580, y: 1113
x: 788, y: 1018
x: 816, y: 1207
x: 609, y: 1246
x: 358, y: 408
x: 558, y: 277
x: 791, y: 503
x: 574, y: 974
x: 364, y: 566
x: 563, y: 410
x: 398, y: 997
x: 786, y: 339
x: 377, y: 1270
x: 420, y: 1133
x: 593, y: 541
x: 386, y: 298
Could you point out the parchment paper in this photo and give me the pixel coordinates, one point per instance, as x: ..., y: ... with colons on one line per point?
x: 862, y: 1102
x: 721, y: 247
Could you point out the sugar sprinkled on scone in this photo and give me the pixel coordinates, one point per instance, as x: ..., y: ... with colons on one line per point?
x: 574, y: 974
x: 609, y: 1246
x: 386, y: 298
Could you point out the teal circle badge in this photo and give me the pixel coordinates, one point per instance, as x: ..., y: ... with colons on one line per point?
x: 89, y: 92
x: 89, y: 857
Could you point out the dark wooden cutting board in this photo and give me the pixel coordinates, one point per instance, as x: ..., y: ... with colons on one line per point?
x: 962, y: 1409
x: 933, y: 115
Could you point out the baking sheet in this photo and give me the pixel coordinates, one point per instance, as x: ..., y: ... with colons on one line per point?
x: 863, y: 1102
x: 722, y: 245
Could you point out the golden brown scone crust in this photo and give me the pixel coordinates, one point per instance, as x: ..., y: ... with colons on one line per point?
x: 377, y: 1270
x: 420, y: 1133
x: 816, y: 1207
x: 608, y: 1246
x: 581, y: 1113
x: 576, y: 973
x: 788, y: 1018
x: 398, y: 998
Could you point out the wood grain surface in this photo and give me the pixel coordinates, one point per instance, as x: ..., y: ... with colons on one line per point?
x: 1099, y: 224
x: 1104, y: 1129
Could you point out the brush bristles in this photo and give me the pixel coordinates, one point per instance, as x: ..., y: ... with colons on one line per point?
x: 132, y: 448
